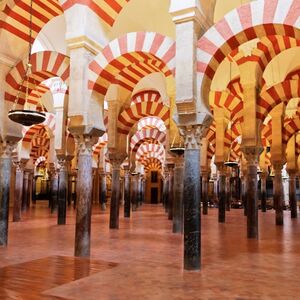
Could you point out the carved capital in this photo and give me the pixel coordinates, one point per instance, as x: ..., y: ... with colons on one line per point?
x: 192, y: 135
x: 6, y: 149
x: 85, y: 144
x: 252, y: 154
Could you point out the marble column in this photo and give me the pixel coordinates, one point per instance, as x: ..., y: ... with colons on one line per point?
x: 292, y: 194
x: 70, y: 180
x: 251, y: 155
x: 103, y: 191
x: 222, y: 192
x: 5, y: 175
x: 54, y: 190
x: 30, y: 187
x: 178, y: 195
x: 205, y: 193
x: 25, y: 191
x: 84, y: 200
x: 171, y: 191
x: 115, y: 195
x: 18, y: 193
x: 166, y: 191
x: 263, y: 184
x: 228, y: 191
x: 191, y: 196
x: 34, y: 189
x: 127, y: 193
x: 62, y: 191
x: 278, y: 201
x: 244, y: 192
x: 133, y: 191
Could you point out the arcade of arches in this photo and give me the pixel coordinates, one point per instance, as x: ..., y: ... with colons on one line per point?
x: 127, y: 86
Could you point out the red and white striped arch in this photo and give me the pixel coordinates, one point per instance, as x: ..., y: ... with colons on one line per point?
x: 106, y: 10
x: 290, y: 128
x: 146, y: 96
x: 145, y: 135
x: 281, y: 92
x: 134, y: 113
x: 40, y: 144
x: 102, y: 142
x: 230, y: 102
x: 150, y: 150
x: 15, y: 18
x: 152, y: 122
x: 136, y: 54
x: 252, y: 20
x: 152, y: 164
x: 45, y: 65
x: 40, y: 160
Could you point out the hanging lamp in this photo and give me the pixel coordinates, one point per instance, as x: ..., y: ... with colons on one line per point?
x: 26, y: 117
x: 179, y: 148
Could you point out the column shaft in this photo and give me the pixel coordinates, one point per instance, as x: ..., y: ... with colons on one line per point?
x: 278, y: 203
x: 205, y: 193
x: 18, y: 194
x: 25, y: 191
x: 222, y: 197
x: 263, y: 192
x: 252, y: 208
x: 178, y: 198
x: 5, y: 175
x: 115, y: 197
x: 192, y: 222
x: 62, y: 193
x: 127, y: 195
x: 292, y: 195
x: 171, y: 192
x: 84, y: 201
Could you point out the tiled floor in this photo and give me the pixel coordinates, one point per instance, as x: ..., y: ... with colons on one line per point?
x: 148, y: 259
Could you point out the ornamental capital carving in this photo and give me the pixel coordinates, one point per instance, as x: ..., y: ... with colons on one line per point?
x: 6, y: 148
x: 252, y: 154
x: 192, y: 135
x: 85, y: 144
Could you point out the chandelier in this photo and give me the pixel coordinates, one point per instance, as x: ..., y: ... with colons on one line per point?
x: 26, y: 117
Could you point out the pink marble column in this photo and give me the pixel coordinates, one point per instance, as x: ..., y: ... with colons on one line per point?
x: 127, y: 193
x: 171, y: 191
x: 25, y: 205
x: 84, y: 200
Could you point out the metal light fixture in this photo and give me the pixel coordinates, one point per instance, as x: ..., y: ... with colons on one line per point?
x: 26, y: 117
x: 177, y: 149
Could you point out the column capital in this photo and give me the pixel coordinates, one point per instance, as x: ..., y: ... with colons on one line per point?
x: 85, y: 144
x: 6, y: 148
x: 251, y: 154
x: 192, y: 135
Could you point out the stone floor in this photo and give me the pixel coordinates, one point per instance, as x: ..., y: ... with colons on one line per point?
x: 143, y: 259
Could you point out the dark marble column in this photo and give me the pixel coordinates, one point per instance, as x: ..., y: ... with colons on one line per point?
x: 263, y: 184
x: 70, y: 180
x: 84, y: 200
x: 34, y: 189
x: 244, y: 192
x: 278, y: 203
x: 178, y: 195
x: 140, y: 190
x: 5, y: 175
x: 54, y: 190
x: 127, y: 193
x: 25, y: 191
x: 133, y: 191
x: 115, y: 195
x: 171, y: 191
x: 191, y: 198
x: 222, y: 192
x: 166, y: 190
x: 18, y: 193
x: 204, y: 192
x: 62, y: 191
x: 251, y: 155
x: 103, y: 191
x: 228, y: 191
x: 292, y: 194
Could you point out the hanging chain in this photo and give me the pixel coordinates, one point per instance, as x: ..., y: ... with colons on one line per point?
x: 28, y: 65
